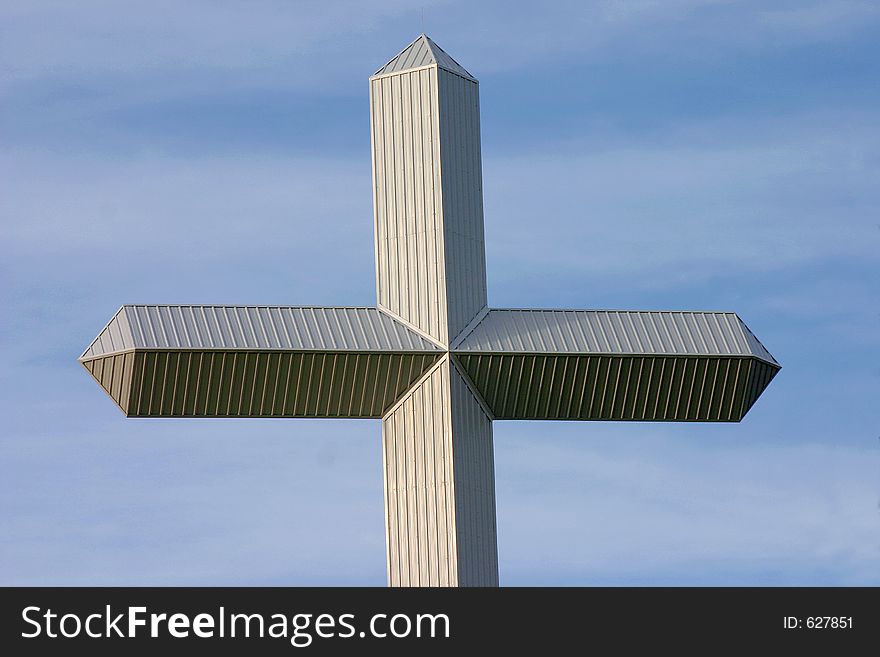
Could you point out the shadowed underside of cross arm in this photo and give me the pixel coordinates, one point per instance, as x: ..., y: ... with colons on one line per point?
x: 256, y: 361
x: 615, y: 365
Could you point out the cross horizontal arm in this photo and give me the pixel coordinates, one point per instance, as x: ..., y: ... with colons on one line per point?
x: 249, y: 361
x: 615, y: 365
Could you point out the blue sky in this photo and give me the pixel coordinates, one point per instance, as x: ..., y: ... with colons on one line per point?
x: 688, y: 154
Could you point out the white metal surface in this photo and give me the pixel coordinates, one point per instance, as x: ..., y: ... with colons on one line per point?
x: 422, y: 52
x: 419, y: 503
x: 613, y: 332
x: 255, y: 327
x: 462, y: 177
x: 407, y: 204
x: 114, y: 338
x: 439, y: 486
x: 473, y: 456
x: 428, y: 207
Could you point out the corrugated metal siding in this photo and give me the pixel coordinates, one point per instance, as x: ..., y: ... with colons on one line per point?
x: 761, y: 375
x: 611, y: 332
x: 115, y: 337
x: 407, y: 199
x: 114, y: 374
x: 444, y: 60
x: 422, y: 52
x: 570, y: 387
x: 257, y: 383
x: 427, y: 183
x: 256, y: 327
x: 419, y: 502
x: 418, y: 53
x: 462, y: 199
x: 474, y: 469
x: 755, y: 345
x: 440, y: 534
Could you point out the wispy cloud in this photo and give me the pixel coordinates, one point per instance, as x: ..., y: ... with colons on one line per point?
x: 695, y: 153
x: 102, y: 505
x: 100, y: 36
x: 616, y: 504
x: 752, y: 198
x: 598, y: 504
x: 309, y: 41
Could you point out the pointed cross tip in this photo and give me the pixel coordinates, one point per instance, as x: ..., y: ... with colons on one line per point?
x: 423, y: 51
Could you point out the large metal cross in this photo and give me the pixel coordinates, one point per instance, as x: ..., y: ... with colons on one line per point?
x: 431, y: 360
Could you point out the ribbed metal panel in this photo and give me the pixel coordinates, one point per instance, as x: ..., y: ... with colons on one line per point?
x: 419, y: 500
x: 758, y: 349
x: 267, y: 327
x: 440, y: 486
x: 474, y: 469
x: 114, y: 374
x: 257, y: 383
x: 407, y: 201
x: 761, y: 375
x: 427, y: 180
x: 114, y: 338
x: 612, y: 332
x: 445, y: 61
x: 416, y: 54
x: 656, y: 388
x: 422, y: 52
x: 256, y: 327
x: 462, y: 200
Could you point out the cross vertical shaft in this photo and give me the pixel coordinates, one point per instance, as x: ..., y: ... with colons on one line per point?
x: 431, y: 273
x: 440, y: 485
